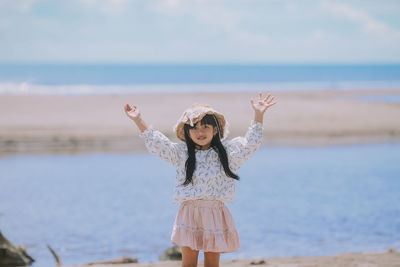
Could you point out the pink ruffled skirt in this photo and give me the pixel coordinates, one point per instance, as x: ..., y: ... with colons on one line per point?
x: 205, y: 225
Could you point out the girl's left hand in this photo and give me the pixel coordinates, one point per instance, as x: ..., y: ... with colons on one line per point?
x: 261, y: 105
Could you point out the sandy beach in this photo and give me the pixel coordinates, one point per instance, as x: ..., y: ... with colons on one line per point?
x: 388, y: 259
x: 91, y: 123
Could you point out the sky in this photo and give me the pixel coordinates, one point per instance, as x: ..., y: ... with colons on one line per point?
x: 200, y: 31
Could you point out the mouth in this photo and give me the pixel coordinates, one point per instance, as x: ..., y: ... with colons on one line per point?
x: 201, y: 138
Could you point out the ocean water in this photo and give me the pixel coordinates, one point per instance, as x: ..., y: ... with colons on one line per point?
x: 289, y: 202
x: 133, y: 79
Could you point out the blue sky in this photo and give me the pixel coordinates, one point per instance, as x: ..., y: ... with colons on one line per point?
x: 200, y: 31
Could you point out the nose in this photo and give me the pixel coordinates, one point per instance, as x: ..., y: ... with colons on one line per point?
x: 198, y: 132
x: 202, y: 130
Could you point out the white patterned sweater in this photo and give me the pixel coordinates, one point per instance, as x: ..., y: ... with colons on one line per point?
x: 209, y: 179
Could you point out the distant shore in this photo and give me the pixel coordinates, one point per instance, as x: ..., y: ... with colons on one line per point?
x: 36, y: 124
x: 389, y: 259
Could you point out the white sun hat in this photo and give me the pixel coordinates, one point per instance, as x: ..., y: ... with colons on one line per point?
x: 194, y: 114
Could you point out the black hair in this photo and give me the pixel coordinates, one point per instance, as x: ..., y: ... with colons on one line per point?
x: 216, y: 144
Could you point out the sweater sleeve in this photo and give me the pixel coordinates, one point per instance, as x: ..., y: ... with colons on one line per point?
x: 242, y: 148
x: 158, y: 144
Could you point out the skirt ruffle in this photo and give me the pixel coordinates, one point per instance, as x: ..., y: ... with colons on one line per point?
x: 205, y: 225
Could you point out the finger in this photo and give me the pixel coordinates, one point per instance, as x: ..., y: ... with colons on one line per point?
x: 252, y: 102
x: 267, y: 97
x: 270, y: 100
x: 127, y: 107
x: 259, y: 95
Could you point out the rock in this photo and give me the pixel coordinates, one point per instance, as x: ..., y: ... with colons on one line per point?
x: 11, y: 255
x: 258, y: 262
x: 121, y: 260
x: 174, y: 253
x: 391, y: 250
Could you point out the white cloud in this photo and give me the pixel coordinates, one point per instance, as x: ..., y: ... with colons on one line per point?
x: 172, y: 3
x: 196, y: 31
x: 22, y: 6
x: 368, y: 23
x: 213, y: 23
x: 291, y: 7
x: 109, y: 7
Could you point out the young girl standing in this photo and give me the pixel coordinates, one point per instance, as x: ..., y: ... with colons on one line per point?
x: 206, y: 171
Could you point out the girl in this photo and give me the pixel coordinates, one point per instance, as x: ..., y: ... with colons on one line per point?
x: 206, y: 171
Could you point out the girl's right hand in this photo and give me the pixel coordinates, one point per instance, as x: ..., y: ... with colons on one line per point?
x: 132, y: 112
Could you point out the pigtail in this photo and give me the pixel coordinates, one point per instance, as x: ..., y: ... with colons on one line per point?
x: 190, y: 163
x: 223, y: 157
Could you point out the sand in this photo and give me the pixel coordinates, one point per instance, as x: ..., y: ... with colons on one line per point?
x: 388, y: 259
x: 32, y: 124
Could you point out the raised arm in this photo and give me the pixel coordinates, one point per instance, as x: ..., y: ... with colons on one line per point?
x: 261, y: 105
x: 156, y: 142
x: 133, y: 113
x: 242, y: 148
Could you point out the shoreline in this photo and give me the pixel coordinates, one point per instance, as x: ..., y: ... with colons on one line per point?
x: 69, y: 148
x: 52, y: 124
x: 390, y: 258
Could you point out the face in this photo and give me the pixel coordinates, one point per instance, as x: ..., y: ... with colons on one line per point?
x: 202, y: 134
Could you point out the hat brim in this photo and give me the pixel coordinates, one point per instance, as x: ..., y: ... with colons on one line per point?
x: 179, y: 128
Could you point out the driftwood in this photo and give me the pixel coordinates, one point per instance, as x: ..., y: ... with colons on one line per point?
x: 55, y: 255
x: 115, y: 261
x: 11, y: 255
x: 258, y: 262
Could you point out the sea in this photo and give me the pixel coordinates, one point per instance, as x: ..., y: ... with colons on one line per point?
x: 290, y: 201
x: 79, y: 79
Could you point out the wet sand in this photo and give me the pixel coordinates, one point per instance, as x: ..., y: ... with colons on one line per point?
x: 32, y: 124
